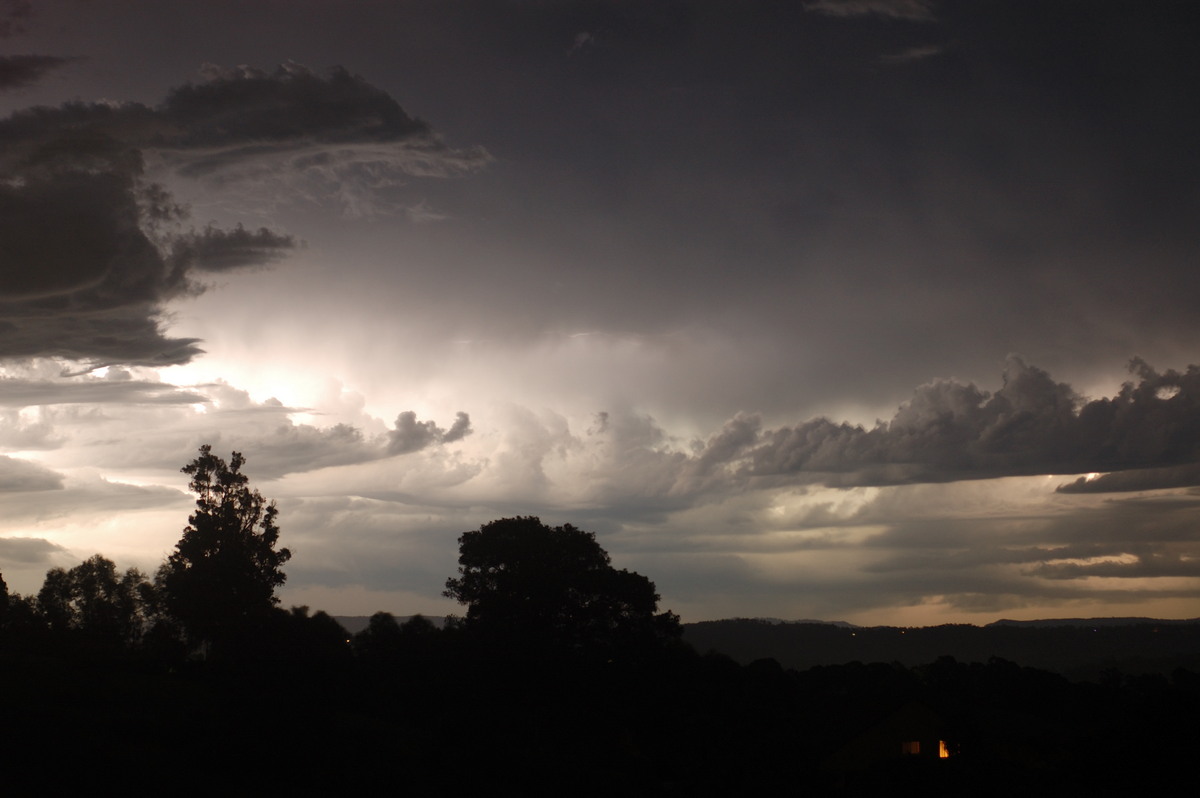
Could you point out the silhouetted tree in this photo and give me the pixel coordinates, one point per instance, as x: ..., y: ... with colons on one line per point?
x: 380, y: 642
x: 220, y: 581
x: 531, y: 585
x: 5, y: 602
x: 96, y: 603
x: 19, y: 621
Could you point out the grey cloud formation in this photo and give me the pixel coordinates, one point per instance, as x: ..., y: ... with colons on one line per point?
x: 291, y: 448
x: 1032, y: 425
x: 411, y: 435
x: 90, y: 249
x: 89, y: 410
x: 919, y: 10
x: 17, y: 71
x: 89, y: 495
x: 18, y: 476
x: 19, y: 392
x: 27, y: 551
x: 460, y: 429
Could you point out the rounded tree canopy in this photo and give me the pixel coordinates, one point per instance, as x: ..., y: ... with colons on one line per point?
x: 531, y: 585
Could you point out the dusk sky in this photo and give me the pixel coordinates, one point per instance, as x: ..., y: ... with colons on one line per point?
x: 870, y: 310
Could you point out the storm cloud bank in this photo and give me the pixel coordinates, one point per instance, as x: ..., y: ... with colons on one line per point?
x: 91, y: 248
x: 952, y: 431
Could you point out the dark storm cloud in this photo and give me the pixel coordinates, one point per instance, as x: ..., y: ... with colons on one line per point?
x: 1141, y: 479
x: 17, y: 476
x: 729, y: 445
x: 1032, y: 425
x: 83, y: 276
x: 90, y: 250
x: 1026, y: 153
x: 291, y: 131
x: 217, y: 250
x: 411, y: 435
x: 234, y: 107
x: 23, y: 70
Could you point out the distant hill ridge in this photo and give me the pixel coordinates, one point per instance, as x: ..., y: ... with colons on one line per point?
x: 1093, y: 622
x: 1080, y: 648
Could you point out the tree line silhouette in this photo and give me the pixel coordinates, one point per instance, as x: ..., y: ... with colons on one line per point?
x: 563, y: 675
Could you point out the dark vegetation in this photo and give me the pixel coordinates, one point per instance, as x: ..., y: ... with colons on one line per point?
x: 563, y: 677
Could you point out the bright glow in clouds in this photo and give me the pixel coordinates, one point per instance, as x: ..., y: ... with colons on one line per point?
x: 466, y: 277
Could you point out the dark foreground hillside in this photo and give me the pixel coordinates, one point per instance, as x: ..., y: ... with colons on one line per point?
x: 445, y: 714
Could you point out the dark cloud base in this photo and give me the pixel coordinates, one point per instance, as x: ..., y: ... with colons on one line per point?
x: 17, y: 71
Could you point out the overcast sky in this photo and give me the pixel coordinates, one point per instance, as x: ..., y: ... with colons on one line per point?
x: 875, y: 310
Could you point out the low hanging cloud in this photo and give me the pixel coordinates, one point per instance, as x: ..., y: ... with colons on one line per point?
x: 91, y: 249
x: 950, y: 431
x: 1185, y: 476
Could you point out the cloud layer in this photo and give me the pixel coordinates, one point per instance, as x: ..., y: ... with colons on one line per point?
x: 726, y: 521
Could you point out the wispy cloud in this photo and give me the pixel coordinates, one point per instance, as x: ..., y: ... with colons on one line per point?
x: 917, y: 10
x: 912, y: 54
